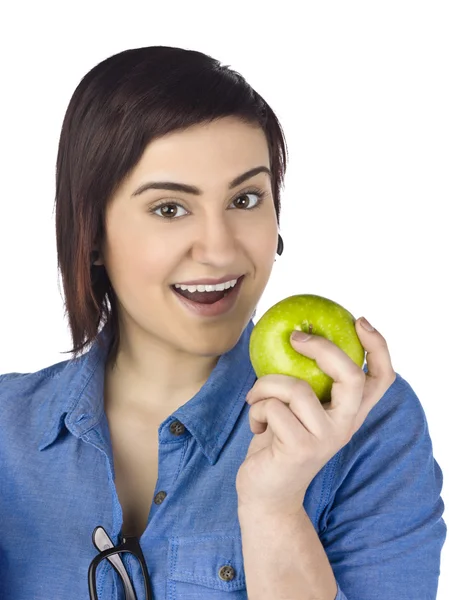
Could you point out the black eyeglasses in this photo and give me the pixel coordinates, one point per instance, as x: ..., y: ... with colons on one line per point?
x: 108, y: 551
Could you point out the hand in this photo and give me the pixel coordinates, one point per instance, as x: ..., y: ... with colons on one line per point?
x: 295, y: 434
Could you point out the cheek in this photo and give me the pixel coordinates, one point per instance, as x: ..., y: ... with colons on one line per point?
x: 127, y: 246
x: 146, y: 264
x: 264, y: 245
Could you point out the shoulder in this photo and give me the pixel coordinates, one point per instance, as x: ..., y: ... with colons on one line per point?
x: 30, y: 405
x: 47, y: 373
x: 399, y: 409
x: 395, y: 425
x: 26, y: 386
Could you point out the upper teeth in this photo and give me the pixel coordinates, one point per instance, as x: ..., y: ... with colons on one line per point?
x: 208, y: 288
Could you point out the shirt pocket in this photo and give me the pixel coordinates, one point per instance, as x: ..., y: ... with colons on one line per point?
x: 206, y: 566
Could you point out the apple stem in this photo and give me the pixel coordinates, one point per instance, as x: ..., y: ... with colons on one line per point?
x: 310, y: 328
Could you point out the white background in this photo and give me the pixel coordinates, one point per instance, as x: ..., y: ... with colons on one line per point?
x: 361, y: 90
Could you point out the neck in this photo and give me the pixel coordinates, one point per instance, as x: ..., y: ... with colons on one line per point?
x: 152, y: 378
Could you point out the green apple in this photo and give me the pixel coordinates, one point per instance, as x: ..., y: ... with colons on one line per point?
x: 271, y: 351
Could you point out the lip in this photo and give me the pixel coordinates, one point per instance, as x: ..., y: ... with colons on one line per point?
x: 209, y: 281
x: 219, y: 308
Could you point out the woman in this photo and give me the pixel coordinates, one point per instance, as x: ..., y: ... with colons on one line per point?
x: 142, y: 467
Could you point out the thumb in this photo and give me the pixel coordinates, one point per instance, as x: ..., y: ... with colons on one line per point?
x: 378, y: 357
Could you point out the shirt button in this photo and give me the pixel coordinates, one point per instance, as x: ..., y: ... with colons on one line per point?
x: 226, y: 573
x: 177, y: 428
x: 160, y: 497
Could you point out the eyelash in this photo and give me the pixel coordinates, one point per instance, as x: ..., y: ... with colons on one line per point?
x: 261, y: 195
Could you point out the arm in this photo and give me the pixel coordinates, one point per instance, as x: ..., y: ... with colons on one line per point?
x: 383, y: 529
x: 284, y: 558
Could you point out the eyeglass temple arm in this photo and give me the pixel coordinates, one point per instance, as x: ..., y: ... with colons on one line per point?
x: 103, y: 542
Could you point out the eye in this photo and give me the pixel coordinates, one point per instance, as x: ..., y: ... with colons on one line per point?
x: 259, y: 195
x: 171, y: 215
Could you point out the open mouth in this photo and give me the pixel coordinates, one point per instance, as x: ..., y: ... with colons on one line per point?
x: 209, y: 304
x: 206, y: 297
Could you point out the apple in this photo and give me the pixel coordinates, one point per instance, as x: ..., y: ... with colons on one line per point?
x: 270, y: 349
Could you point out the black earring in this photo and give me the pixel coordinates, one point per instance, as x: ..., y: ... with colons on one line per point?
x: 94, y: 257
x: 280, y: 249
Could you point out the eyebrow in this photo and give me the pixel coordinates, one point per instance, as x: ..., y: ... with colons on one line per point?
x: 191, y: 189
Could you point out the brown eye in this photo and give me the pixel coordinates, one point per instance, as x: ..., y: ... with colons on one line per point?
x: 168, y: 210
x: 246, y: 200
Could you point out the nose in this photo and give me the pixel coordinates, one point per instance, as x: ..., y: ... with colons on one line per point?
x: 216, y: 243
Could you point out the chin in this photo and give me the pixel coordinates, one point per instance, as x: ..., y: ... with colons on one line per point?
x: 213, y: 342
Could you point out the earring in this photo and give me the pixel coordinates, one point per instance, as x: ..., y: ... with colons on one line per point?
x: 94, y: 257
x: 280, y: 248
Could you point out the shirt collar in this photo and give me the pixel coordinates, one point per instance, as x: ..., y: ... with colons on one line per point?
x: 210, y: 416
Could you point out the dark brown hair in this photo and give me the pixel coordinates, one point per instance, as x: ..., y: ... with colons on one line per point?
x: 119, y: 107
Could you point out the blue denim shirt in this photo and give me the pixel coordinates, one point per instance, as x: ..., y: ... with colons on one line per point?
x: 375, y: 505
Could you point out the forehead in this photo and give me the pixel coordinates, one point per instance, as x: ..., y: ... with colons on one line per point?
x: 208, y: 152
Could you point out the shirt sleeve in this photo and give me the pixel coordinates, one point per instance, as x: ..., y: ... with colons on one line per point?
x: 383, y: 529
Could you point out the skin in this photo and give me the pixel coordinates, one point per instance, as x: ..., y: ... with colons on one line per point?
x: 167, y: 353
x: 295, y: 436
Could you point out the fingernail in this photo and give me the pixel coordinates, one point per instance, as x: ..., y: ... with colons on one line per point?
x: 366, y: 325
x: 300, y: 336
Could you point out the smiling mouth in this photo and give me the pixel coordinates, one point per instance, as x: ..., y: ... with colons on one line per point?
x: 205, y: 297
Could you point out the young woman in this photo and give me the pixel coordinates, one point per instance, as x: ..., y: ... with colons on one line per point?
x: 153, y: 463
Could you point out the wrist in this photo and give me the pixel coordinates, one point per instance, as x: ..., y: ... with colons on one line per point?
x: 259, y: 512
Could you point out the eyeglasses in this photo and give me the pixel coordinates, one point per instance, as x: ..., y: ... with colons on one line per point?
x: 104, y: 545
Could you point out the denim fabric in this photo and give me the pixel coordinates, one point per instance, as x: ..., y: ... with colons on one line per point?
x: 375, y: 505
